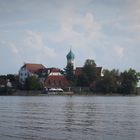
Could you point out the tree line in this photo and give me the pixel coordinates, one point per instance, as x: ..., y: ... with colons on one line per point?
x: 4, y: 83
x: 111, y: 81
x: 31, y: 83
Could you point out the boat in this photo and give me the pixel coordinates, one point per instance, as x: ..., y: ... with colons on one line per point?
x: 52, y: 91
x: 55, y: 90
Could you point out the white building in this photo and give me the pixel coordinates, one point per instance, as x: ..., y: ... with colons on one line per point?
x: 29, y: 69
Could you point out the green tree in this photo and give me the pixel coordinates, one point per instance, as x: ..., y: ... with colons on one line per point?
x: 110, y: 82
x: 90, y: 62
x: 89, y: 71
x: 32, y: 83
x: 82, y: 80
x: 13, y: 79
x: 69, y: 72
x: 88, y: 75
x: 129, y: 80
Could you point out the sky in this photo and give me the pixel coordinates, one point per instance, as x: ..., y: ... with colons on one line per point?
x: 43, y: 31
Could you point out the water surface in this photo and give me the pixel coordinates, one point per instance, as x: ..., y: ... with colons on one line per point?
x: 69, y: 118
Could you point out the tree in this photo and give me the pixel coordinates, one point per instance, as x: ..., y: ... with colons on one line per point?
x: 90, y: 62
x: 88, y: 75
x: 129, y: 81
x: 32, y: 83
x: 110, y: 82
x: 69, y: 72
x: 13, y: 79
x: 82, y: 80
x: 89, y: 70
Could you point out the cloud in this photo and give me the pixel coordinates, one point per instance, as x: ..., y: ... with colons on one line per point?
x: 133, y: 19
x: 28, y: 46
x: 33, y: 40
x: 82, y: 32
x: 75, y: 29
x: 92, y: 27
x: 35, y: 47
x: 120, y: 51
x: 42, y: 31
x: 13, y: 49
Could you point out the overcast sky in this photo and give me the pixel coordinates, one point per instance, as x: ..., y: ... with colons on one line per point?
x: 43, y: 31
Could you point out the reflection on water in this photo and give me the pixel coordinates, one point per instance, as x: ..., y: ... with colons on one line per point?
x: 69, y: 118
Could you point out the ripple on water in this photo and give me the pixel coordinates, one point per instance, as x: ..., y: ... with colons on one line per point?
x: 64, y: 117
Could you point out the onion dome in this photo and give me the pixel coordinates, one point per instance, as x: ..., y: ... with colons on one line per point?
x: 70, y: 55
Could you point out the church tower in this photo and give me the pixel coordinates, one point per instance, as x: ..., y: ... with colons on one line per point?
x: 70, y: 58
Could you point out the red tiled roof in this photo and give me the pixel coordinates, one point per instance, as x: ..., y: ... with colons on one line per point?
x: 33, y: 67
x: 56, y: 81
x: 78, y: 70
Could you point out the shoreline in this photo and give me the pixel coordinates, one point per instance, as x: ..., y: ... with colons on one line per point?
x: 41, y: 93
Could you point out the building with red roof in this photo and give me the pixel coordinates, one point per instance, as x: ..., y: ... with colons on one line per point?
x: 33, y: 68
x: 29, y: 69
x: 79, y: 70
x: 52, y: 77
x: 56, y: 79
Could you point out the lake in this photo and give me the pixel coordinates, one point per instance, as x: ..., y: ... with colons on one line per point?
x: 69, y: 118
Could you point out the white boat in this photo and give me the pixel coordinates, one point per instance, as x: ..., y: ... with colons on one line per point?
x: 52, y: 90
x: 55, y: 90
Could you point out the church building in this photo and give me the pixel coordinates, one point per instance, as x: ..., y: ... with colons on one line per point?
x: 52, y: 77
